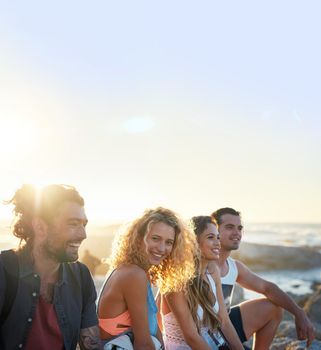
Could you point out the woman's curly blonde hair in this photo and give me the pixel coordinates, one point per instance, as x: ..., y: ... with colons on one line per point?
x: 177, y: 269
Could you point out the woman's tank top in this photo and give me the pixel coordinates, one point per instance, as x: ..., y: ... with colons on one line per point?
x: 110, y: 326
x: 173, y: 335
x: 152, y: 311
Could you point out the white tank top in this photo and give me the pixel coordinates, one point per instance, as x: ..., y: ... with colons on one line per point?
x: 228, y: 282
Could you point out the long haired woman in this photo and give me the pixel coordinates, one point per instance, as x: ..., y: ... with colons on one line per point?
x: 156, y: 249
x: 191, y: 318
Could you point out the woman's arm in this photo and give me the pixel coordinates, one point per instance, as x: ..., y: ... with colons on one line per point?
x: 134, y: 288
x: 178, y: 305
x: 225, y: 322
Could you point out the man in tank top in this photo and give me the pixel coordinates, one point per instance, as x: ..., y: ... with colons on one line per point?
x: 258, y: 317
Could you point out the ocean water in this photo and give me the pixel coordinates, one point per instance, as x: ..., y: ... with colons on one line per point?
x: 287, y: 234
x: 284, y: 234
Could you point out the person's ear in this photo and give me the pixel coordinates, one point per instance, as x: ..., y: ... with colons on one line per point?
x: 40, y: 227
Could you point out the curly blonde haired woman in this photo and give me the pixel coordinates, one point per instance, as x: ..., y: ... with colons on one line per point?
x: 156, y: 249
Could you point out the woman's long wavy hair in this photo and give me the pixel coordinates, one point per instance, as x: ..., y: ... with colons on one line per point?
x: 177, y: 269
x: 198, y: 292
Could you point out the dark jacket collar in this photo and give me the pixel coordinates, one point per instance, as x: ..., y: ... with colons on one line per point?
x: 26, y: 264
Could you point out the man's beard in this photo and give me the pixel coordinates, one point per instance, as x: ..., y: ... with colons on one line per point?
x: 59, y: 254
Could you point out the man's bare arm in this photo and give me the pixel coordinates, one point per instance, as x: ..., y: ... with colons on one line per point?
x: 89, y: 339
x: 251, y: 281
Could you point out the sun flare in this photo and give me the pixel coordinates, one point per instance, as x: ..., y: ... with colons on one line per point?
x: 16, y: 135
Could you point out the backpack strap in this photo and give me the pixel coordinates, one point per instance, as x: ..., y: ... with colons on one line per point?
x: 11, y: 269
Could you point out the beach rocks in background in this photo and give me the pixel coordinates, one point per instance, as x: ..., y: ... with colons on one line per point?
x: 238, y: 295
x: 313, y: 309
x: 287, y: 330
x: 261, y: 257
x: 300, y: 300
x: 288, y: 344
x: 280, y: 343
x: 313, y: 305
x: 286, y: 337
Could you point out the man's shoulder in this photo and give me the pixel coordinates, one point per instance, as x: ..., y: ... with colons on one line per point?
x: 9, y: 260
x: 240, y: 265
x: 7, y: 252
x: 244, y: 272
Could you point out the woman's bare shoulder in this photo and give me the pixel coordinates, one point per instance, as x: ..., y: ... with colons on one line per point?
x: 123, y: 280
x: 175, y: 297
x: 130, y: 273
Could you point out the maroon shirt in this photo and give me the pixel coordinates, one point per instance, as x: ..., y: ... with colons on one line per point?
x: 45, y: 332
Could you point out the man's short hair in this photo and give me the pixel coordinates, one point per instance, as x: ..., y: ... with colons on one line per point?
x: 217, y: 215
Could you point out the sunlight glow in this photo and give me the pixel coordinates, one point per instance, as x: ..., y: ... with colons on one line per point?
x: 138, y: 125
x: 16, y: 135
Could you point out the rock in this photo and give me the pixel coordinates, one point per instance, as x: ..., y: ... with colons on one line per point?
x: 262, y: 257
x: 286, y: 343
x: 286, y: 329
x: 315, y: 285
x: 238, y: 295
x: 317, y: 330
x: 301, y: 345
x: 280, y: 343
x: 300, y: 300
x: 313, y: 306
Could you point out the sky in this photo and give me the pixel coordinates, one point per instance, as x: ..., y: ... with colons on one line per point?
x: 184, y: 104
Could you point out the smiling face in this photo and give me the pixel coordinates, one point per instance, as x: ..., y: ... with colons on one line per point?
x: 209, y: 243
x: 158, y: 242
x: 230, y: 230
x: 65, y: 233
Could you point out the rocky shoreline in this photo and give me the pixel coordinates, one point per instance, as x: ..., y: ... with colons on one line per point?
x: 263, y: 257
